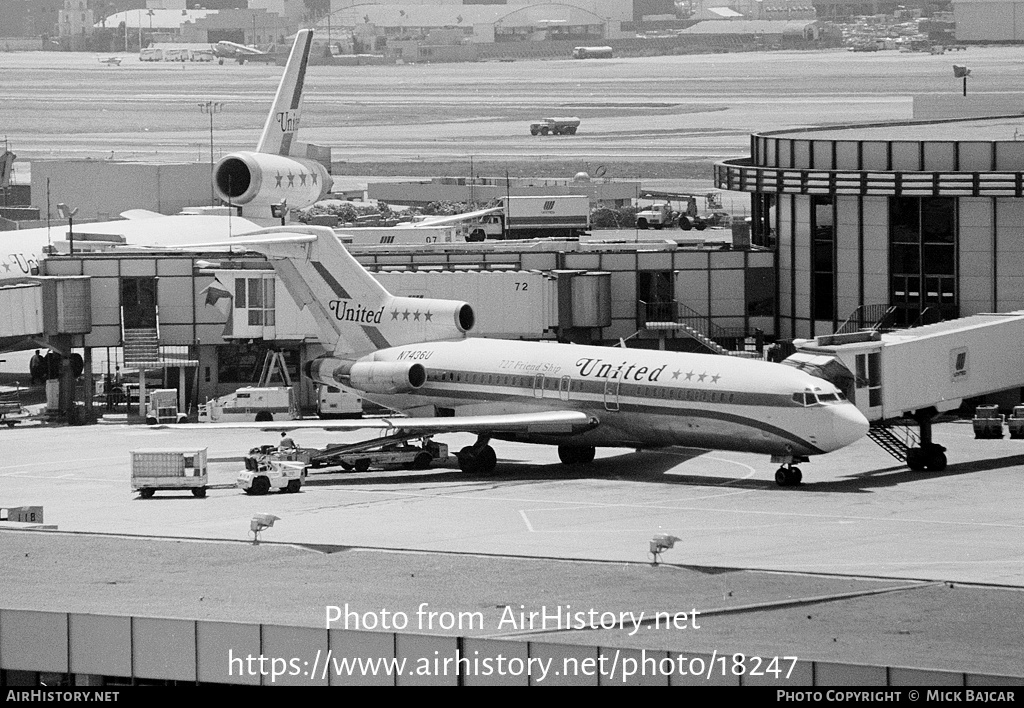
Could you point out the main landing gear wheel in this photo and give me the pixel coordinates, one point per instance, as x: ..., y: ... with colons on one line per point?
x: 475, y: 460
x: 788, y: 476
x: 573, y: 455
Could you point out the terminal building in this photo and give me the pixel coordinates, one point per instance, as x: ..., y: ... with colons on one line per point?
x: 926, y: 217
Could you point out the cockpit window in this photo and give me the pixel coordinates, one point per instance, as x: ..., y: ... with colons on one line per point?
x: 828, y: 398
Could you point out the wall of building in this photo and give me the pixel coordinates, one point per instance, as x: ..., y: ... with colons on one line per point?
x: 64, y: 649
x: 989, y: 20
x: 102, y: 189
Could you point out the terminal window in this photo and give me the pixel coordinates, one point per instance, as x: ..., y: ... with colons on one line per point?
x: 922, y: 257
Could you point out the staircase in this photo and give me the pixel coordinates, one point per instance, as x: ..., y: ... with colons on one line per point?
x: 677, y: 317
x: 895, y: 444
x: 141, y: 346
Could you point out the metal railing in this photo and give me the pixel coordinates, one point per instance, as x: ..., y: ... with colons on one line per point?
x: 743, y: 176
x: 679, y: 313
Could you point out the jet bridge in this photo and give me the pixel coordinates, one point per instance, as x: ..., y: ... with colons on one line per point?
x: 918, y: 373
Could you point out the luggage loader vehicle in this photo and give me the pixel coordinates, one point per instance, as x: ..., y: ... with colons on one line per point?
x: 265, y: 471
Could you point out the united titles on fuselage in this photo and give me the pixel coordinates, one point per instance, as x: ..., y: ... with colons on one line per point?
x: 345, y: 312
x: 601, y: 369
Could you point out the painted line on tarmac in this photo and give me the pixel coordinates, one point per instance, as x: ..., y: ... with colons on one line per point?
x: 59, y: 462
x: 832, y: 518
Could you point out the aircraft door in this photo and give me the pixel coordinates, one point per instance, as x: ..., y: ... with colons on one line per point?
x: 611, y: 394
x: 564, y: 386
x: 538, y: 386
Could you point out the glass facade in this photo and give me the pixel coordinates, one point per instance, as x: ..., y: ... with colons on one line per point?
x: 922, y: 257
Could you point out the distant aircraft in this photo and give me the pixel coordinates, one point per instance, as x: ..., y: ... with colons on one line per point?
x: 232, y: 50
x: 413, y: 355
x: 258, y: 181
x: 112, y: 61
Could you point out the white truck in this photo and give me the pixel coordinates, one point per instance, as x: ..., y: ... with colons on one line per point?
x: 157, y: 468
x: 251, y: 403
x: 337, y: 402
x: 559, y: 216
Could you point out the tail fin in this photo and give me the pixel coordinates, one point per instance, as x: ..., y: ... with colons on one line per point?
x: 354, y: 313
x: 283, y: 121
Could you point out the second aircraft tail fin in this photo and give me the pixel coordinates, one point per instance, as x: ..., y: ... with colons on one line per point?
x: 283, y: 121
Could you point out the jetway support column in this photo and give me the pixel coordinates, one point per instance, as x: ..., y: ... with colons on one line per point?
x: 929, y: 456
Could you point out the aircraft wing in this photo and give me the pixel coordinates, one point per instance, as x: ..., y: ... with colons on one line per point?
x: 538, y: 422
x: 454, y: 218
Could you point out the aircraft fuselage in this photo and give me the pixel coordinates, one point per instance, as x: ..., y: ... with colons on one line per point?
x: 643, y: 398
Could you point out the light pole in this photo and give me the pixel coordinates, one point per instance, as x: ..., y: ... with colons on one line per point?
x: 210, y: 108
x: 69, y: 214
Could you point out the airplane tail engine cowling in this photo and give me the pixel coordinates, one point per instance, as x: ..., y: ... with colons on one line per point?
x: 417, y: 319
x: 258, y: 180
x: 385, y: 377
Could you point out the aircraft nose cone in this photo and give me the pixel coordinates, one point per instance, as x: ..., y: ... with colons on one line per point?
x: 848, y: 425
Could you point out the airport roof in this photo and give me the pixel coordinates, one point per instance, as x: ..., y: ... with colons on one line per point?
x: 460, y: 15
x: 749, y: 27
x: 154, y: 19
x: 999, y: 128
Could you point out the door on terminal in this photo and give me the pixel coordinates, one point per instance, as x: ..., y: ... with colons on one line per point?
x: 138, y: 302
x: 655, y: 292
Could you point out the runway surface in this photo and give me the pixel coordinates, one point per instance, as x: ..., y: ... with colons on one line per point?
x: 653, y: 109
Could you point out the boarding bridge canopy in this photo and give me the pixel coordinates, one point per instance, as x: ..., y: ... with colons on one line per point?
x: 934, y: 367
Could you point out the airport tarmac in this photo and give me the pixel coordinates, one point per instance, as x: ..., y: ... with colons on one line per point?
x: 866, y: 562
x: 858, y: 512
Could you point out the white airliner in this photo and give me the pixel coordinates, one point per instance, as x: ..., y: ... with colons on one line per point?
x: 255, y: 181
x: 233, y: 50
x: 414, y: 355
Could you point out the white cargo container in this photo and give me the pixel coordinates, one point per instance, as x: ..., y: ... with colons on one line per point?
x: 154, y: 469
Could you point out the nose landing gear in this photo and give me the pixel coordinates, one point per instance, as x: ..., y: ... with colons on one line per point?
x: 789, y: 474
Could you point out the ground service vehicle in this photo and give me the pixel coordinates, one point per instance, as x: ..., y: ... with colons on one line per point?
x: 1015, y: 423
x: 559, y: 216
x: 659, y: 216
x: 266, y: 469
x: 555, y: 126
x: 592, y: 53
x: 154, y: 469
x: 163, y: 407
x: 251, y: 403
x: 337, y: 402
x: 393, y: 456
x: 988, y: 422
